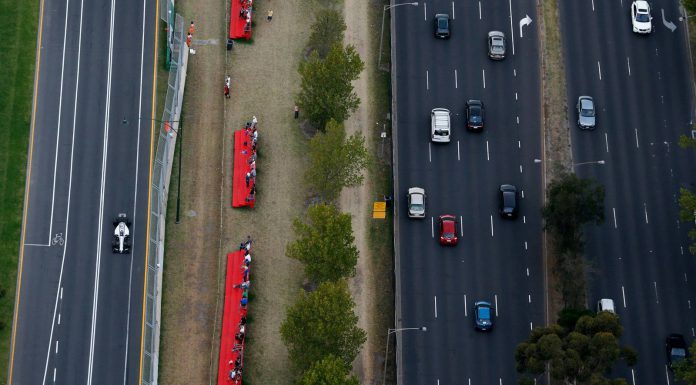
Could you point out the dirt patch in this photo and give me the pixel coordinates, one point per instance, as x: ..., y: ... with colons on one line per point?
x: 556, y: 134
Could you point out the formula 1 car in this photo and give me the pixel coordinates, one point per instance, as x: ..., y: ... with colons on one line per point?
x: 121, y: 242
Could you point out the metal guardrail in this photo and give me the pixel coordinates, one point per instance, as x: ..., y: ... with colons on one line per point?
x: 161, y: 173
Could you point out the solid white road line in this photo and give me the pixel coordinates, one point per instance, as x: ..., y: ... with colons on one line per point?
x: 491, y: 225
x: 667, y: 374
x: 59, y: 289
x: 599, y: 70
x: 456, y: 84
x: 633, y: 376
x: 60, y: 114
x: 435, y: 306
x: 623, y: 295
x: 512, y: 31
x: 100, y: 218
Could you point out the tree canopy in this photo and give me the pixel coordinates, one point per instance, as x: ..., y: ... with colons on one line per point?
x: 327, y: 31
x: 581, y: 355
x: 686, y: 370
x: 326, y: 89
x: 690, y: 6
x: 322, y: 323
x: 687, y: 214
x: 335, y: 161
x: 325, y: 244
x: 329, y: 371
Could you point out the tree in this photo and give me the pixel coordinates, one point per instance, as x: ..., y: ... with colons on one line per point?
x: 687, y: 214
x: 685, y: 141
x: 581, y: 355
x: 325, y: 244
x: 322, y: 323
x: 690, y: 6
x: 329, y: 371
x: 335, y: 161
x: 572, y: 203
x: 327, y: 31
x: 326, y: 90
x: 686, y: 370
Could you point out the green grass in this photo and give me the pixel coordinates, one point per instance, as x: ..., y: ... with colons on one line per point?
x: 18, y: 26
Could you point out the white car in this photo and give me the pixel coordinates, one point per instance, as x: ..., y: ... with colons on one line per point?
x: 440, y: 125
x: 640, y: 17
x: 416, y: 202
x: 606, y: 304
x: 121, y: 242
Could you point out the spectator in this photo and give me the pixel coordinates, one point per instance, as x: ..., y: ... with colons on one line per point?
x: 248, y: 176
x: 247, y: 259
x: 254, y: 121
x: 297, y: 112
x: 270, y: 15
x: 242, y: 321
x: 243, y: 303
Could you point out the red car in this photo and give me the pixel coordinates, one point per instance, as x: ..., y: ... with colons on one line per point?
x: 448, y: 230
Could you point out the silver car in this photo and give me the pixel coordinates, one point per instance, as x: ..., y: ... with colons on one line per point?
x: 416, y: 202
x: 586, y: 113
x: 496, y: 45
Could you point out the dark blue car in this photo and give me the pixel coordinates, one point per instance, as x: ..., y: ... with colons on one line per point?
x: 483, y: 317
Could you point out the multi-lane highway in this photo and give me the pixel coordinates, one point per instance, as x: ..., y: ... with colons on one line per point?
x: 496, y: 260
x: 642, y: 86
x: 78, y: 316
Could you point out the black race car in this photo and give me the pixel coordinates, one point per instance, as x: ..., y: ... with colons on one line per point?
x: 121, y: 242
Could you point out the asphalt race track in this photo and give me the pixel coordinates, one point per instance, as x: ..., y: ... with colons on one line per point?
x: 79, y: 314
x: 496, y: 260
x: 642, y: 86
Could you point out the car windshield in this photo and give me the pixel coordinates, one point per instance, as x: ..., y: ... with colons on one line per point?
x: 475, y: 114
x: 678, y: 353
x: 484, y: 313
x: 441, y: 132
x: 442, y: 23
x: 587, y: 112
x: 586, y: 108
x: 642, y: 16
x: 417, y: 206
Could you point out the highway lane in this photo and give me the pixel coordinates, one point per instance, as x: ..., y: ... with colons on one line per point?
x: 642, y: 86
x: 496, y: 260
x: 78, y: 318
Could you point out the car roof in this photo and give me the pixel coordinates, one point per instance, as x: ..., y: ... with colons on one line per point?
x: 474, y: 102
x: 587, y: 103
x: 508, y: 187
x: 442, y: 16
x: 496, y: 34
x: 416, y: 190
x: 448, y: 217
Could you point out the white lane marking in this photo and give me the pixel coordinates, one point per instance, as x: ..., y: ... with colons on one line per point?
x: 479, y: 19
x: 466, y: 312
x: 59, y: 289
x: 470, y: 378
x: 681, y: 248
x: 657, y: 298
x: 531, y: 327
x: 628, y: 63
x: 592, y: 5
x: 54, y: 374
x: 689, y: 302
x: 57, y: 342
x: 520, y: 169
x: 526, y: 248
x: 58, y: 318
x: 60, y: 114
x: 435, y: 306
x: 495, y: 297
x: 518, y: 120
x: 623, y: 295
x: 456, y: 84
x: 501, y: 381
x: 527, y: 270
x: 427, y: 80
x: 458, y: 155
x: 432, y: 226
x: 667, y: 374
x: 488, y: 154
x: 524, y: 219
x: 453, y: 11
x: 613, y: 210
x: 685, y: 278
x: 425, y: 11
x: 484, y: 78
x: 645, y: 209
x: 529, y: 298
x: 606, y: 140
x: 512, y: 31
x: 599, y: 70
x: 522, y: 192
x: 491, y: 225
x: 515, y: 95
x: 514, y: 72
x: 461, y: 228
x: 100, y: 218
x: 633, y: 376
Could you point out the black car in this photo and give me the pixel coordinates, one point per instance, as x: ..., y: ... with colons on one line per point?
x: 675, y: 349
x: 475, y: 114
x: 483, y: 319
x: 442, y: 26
x: 508, y: 201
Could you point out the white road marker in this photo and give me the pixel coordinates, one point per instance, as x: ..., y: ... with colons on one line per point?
x: 495, y: 297
x: 479, y: 19
x: 518, y: 120
x: 636, y: 130
x: 57, y: 346
x: 491, y: 225
x: 527, y: 269
x: 685, y: 278
x: 633, y: 376
x: 461, y: 228
x: 435, y: 306
x: 522, y: 192
x: 645, y: 209
x: 458, y: 157
x: 657, y: 298
x: 512, y: 31
x: 524, y: 219
x: 58, y: 318
x: 515, y: 95
x: 531, y: 327
x: 529, y: 298
x: 613, y: 210
x: 425, y: 11
x: 61, y: 292
x: 628, y: 63
x: 525, y: 247
x: 466, y: 312
x: 514, y: 72
x: 623, y: 295
x: 599, y: 70
x: 488, y: 155
x: 432, y: 226
x: 592, y: 5
x: 520, y: 169
x: 430, y: 153
x: 54, y: 374
x: 453, y: 10
x: 606, y: 140
x: 484, y: 78
x: 456, y: 84
x: 427, y: 80
x: 667, y: 374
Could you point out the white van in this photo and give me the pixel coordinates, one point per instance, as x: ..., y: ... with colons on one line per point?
x: 606, y: 304
x: 440, y: 125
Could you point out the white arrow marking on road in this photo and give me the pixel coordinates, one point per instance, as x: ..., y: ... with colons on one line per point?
x: 525, y: 21
x: 667, y: 24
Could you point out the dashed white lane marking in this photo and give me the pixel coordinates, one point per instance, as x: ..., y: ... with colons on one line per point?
x: 491, y: 225
x: 623, y: 295
x: 430, y: 153
x: 606, y: 140
x: 628, y: 63
x: 518, y: 120
x: 461, y: 228
x: 479, y: 19
x: 633, y: 376
x: 527, y: 272
x: 599, y: 70
x: 58, y: 318
x: 488, y: 154
x: 54, y: 374
x: 484, y: 78
x: 453, y: 10
x: 458, y: 154
x: 522, y: 194
x: 61, y: 293
x: 531, y: 327
x: 495, y: 297
x: 645, y: 209
x: 432, y: 226
x: 524, y: 219
x: 526, y: 248
x: 613, y: 210
x: 515, y: 95
x: 529, y: 298
x: 456, y: 84
x: 657, y: 298
x: 435, y: 306
x: 685, y: 278
x: 427, y: 80
x: 514, y: 72
x: 667, y: 374
x: 466, y: 312
x: 425, y: 11
x: 57, y: 346
x: 520, y: 169
x: 592, y: 5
